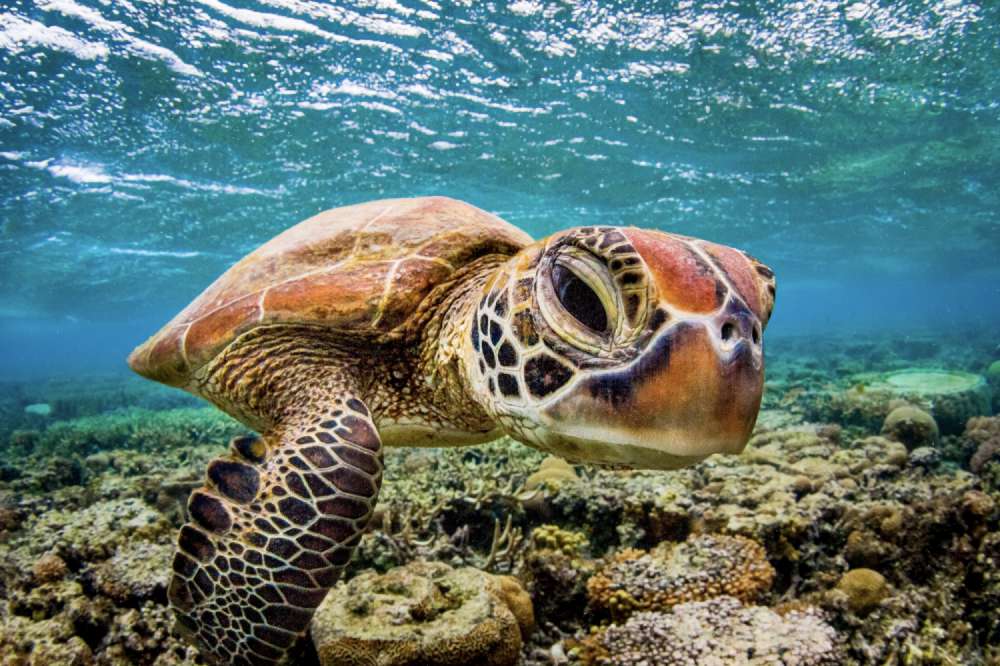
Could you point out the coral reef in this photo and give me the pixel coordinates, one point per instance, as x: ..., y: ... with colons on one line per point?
x: 717, y: 631
x: 138, y: 572
x: 49, y: 568
x: 702, y: 567
x: 424, y: 613
x: 951, y: 397
x: 91, y: 496
x: 911, y: 426
x: 556, y: 570
x: 93, y: 533
x: 137, y: 430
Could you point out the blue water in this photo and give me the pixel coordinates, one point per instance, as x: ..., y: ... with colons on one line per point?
x: 144, y: 147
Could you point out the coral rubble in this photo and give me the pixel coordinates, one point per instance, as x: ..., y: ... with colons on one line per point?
x: 715, y: 632
x: 703, y: 567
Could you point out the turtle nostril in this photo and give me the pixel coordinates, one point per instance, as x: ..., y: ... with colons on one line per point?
x: 755, y: 334
x: 728, y: 331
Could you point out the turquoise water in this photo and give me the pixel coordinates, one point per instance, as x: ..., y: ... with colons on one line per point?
x: 146, y: 147
x: 852, y: 146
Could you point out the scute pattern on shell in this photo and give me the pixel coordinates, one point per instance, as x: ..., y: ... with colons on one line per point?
x: 362, y: 269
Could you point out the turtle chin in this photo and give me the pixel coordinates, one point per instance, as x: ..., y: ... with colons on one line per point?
x: 686, y: 397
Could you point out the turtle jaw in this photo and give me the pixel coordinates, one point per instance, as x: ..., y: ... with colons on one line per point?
x: 686, y: 397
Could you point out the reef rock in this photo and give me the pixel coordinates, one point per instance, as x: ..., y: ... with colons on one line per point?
x: 138, y: 571
x: 39, y: 409
x: 95, y: 532
x: 423, y: 614
x: 718, y: 631
x: 705, y: 566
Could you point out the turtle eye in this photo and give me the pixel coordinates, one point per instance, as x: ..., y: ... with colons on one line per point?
x: 579, y: 299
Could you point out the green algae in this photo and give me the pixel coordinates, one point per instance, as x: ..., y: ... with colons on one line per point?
x: 133, y: 429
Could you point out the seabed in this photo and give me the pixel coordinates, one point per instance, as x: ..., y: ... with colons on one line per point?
x: 860, y: 526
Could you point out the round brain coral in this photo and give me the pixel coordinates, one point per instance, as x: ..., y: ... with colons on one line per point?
x: 703, y: 567
x: 911, y: 426
x: 552, y: 473
x: 423, y: 614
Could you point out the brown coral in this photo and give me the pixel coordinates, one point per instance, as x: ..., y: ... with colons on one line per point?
x: 703, y: 567
x: 553, y: 537
x: 984, y: 431
x: 865, y: 589
x: 49, y: 568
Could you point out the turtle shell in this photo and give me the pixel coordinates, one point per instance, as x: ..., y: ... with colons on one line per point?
x: 360, y: 269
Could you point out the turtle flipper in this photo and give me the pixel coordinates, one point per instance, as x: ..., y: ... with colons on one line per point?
x: 271, y: 530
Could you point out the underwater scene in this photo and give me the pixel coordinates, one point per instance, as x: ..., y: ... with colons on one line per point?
x: 531, y: 333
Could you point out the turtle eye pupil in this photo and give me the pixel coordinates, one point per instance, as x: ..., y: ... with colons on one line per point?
x: 579, y: 299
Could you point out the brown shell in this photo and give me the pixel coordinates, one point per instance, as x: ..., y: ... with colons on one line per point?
x: 362, y: 268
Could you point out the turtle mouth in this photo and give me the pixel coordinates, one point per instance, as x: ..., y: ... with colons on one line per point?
x: 684, y: 398
x: 648, y: 448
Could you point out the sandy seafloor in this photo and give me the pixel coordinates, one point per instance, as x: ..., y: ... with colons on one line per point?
x: 847, y: 532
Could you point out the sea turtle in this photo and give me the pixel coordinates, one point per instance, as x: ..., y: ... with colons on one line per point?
x: 428, y: 321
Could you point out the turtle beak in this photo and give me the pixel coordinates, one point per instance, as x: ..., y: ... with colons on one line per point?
x: 679, y: 402
x: 696, y: 387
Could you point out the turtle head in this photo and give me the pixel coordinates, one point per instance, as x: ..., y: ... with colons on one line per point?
x: 624, y: 346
